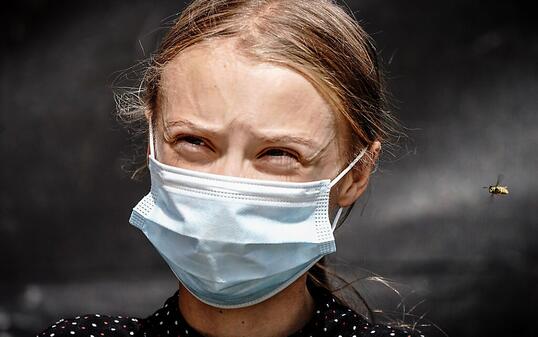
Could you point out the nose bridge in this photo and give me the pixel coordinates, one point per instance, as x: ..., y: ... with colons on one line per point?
x: 235, y: 158
x: 233, y: 162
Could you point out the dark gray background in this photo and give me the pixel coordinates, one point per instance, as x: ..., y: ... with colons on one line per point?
x: 464, y: 76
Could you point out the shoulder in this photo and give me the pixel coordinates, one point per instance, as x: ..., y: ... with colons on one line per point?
x: 334, y: 318
x: 339, y: 320
x: 95, y: 325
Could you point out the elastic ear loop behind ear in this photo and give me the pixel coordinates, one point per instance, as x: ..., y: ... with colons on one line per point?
x: 348, y: 168
x: 151, y: 146
x: 338, y: 177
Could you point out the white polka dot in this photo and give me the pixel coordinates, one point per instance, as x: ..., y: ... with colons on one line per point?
x: 161, y: 323
x: 336, y: 320
x: 392, y: 333
x: 72, y: 332
x: 373, y: 331
x: 74, y: 323
x: 94, y: 325
x: 112, y: 329
x: 116, y: 321
x: 52, y: 335
x: 131, y: 333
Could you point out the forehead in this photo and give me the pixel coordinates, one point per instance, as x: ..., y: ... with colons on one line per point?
x: 212, y: 83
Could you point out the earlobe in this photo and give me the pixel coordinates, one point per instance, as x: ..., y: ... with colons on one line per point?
x: 357, y: 181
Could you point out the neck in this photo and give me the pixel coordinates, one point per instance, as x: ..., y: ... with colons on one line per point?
x: 280, y: 315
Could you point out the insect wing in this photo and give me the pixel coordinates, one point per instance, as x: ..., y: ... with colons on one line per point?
x: 500, y: 178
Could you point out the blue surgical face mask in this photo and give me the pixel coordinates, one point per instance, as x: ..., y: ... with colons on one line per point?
x: 234, y: 242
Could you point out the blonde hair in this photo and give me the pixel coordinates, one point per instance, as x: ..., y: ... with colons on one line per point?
x: 317, y: 39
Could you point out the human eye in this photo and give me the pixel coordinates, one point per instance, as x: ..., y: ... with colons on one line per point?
x: 279, y: 157
x: 191, y: 144
x: 192, y: 141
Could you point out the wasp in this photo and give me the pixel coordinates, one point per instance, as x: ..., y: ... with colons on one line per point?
x: 498, y: 189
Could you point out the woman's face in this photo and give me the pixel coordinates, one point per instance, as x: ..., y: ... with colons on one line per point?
x: 218, y: 112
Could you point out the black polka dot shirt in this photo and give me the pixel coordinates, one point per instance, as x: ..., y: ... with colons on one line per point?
x: 331, y: 319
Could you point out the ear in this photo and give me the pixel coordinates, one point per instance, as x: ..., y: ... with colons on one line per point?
x: 355, y: 183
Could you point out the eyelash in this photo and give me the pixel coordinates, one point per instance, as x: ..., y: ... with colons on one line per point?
x: 190, y: 140
x: 285, y: 153
x: 194, y: 141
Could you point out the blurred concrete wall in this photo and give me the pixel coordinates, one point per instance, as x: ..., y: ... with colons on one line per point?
x: 464, y: 76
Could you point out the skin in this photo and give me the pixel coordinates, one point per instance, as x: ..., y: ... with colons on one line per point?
x: 221, y: 113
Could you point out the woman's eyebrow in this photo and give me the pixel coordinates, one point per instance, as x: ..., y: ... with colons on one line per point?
x: 288, y: 139
x: 272, y: 139
x: 188, y: 124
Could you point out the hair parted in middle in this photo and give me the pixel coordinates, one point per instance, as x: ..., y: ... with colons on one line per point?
x: 318, y: 39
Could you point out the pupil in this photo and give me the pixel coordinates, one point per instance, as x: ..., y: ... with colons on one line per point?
x: 275, y: 153
x: 194, y: 140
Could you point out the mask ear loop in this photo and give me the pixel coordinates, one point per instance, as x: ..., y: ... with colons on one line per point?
x: 338, y: 177
x: 348, y: 168
x: 151, y: 148
x: 336, y: 218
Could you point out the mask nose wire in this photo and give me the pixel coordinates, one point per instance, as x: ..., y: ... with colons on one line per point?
x: 337, y: 179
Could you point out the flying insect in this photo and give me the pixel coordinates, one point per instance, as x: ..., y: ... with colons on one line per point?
x: 497, y: 189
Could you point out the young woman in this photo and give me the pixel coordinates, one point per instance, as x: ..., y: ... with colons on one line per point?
x: 265, y: 118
